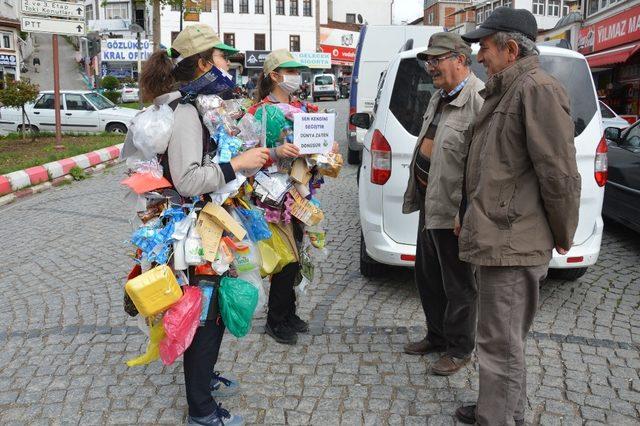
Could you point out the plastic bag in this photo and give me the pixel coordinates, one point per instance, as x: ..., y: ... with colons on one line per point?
x: 269, y: 259
x: 152, y: 130
x: 250, y: 130
x: 275, y: 124
x: 253, y: 277
x: 238, y: 300
x: 282, y: 250
x: 255, y: 224
x: 180, y: 324
x: 156, y: 334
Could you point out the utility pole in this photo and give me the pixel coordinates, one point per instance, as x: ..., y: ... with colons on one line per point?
x: 270, y: 28
x: 56, y: 92
x: 318, y: 49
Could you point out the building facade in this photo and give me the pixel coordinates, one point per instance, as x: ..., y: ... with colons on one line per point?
x: 10, y: 57
x: 372, y: 12
x: 442, y: 13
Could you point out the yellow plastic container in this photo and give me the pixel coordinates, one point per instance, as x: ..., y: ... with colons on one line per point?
x: 154, y: 291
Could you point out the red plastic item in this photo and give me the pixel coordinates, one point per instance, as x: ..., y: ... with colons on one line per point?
x: 180, y: 324
x: 145, y: 182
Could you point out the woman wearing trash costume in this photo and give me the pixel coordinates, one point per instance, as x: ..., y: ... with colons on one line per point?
x: 197, y: 63
x: 280, y: 78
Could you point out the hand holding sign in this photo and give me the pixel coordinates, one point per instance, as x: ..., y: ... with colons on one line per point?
x: 314, y: 133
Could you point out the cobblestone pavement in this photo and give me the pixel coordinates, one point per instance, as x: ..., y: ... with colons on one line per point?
x: 65, y: 337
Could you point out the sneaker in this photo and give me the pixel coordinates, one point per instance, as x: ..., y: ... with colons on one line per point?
x: 282, y: 333
x: 298, y: 324
x: 222, y: 387
x: 220, y: 417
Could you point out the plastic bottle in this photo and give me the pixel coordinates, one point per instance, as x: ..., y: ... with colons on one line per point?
x: 193, y: 250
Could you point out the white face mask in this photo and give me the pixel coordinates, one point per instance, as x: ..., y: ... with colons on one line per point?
x: 291, y: 82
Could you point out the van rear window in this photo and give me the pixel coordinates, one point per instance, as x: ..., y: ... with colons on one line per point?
x: 323, y: 80
x: 413, y: 89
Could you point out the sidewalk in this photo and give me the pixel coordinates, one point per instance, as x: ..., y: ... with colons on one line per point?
x: 70, y: 77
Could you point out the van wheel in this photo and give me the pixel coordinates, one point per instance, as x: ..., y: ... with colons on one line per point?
x: 368, y: 267
x: 353, y: 157
x: 567, y: 274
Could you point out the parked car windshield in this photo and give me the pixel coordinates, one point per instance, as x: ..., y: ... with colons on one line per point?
x: 323, y: 80
x: 99, y: 101
x: 413, y: 89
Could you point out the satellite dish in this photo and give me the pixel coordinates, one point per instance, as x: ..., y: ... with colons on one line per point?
x: 360, y: 19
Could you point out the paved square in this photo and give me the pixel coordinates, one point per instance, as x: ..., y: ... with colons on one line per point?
x: 65, y: 337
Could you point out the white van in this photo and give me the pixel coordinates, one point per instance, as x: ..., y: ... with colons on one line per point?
x: 388, y: 236
x: 377, y: 46
x: 324, y: 86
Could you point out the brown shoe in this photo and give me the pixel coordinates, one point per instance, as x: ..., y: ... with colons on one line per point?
x: 448, y: 365
x: 423, y: 347
x: 467, y: 415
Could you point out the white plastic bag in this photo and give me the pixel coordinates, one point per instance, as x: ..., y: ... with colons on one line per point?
x: 152, y: 130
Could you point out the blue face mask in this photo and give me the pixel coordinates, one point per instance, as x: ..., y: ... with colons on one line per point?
x: 213, y: 82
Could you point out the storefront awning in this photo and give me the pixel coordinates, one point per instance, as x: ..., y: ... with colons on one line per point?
x: 612, y: 56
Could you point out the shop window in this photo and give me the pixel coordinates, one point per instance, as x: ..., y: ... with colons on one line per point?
x: 259, y: 41
x: 351, y: 18
x: 279, y: 7
x: 7, y: 39
x: 479, y: 17
x: 116, y: 11
x: 553, y: 8
x: 259, y: 7
x: 228, y: 6
x: 306, y: 8
x: 538, y: 7
x: 294, y: 43
x: 230, y: 39
x: 565, y: 10
x: 244, y: 6
x: 293, y: 7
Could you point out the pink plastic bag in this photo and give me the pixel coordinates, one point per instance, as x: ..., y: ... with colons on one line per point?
x: 180, y: 324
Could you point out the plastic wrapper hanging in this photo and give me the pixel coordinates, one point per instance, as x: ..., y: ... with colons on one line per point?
x: 228, y: 146
x: 152, y: 130
x: 238, y: 300
x: 155, y: 238
x: 276, y: 245
x: 255, y: 224
x: 180, y: 324
x: 228, y: 190
x: 156, y: 334
x: 275, y: 124
x: 288, y: 110
x: 250, y: 131
x: 254, y: 278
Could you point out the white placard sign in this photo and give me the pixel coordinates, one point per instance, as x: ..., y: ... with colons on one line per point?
x: 314, y: 133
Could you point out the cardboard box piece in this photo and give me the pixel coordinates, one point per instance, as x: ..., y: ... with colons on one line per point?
x: 304, y: 211
x: 224, y: 219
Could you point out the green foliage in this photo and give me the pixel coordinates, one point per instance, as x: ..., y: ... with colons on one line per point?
x: 17, y: 93
x: 110, y: 82
x: 77, y: 173
x: 113, y: 96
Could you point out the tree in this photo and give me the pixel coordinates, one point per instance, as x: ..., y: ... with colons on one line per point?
x: 16, y: 94
x: 111, y: 85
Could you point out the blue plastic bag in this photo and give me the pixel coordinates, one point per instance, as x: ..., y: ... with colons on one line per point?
x: 255, y: 224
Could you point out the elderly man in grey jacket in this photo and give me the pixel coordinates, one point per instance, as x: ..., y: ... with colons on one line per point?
x: 446, y: 285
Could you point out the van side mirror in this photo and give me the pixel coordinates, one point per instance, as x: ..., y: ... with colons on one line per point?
x: 613, y: 134
x: 361, y: 120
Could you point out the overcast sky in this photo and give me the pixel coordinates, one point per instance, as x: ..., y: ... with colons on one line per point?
x: 407, y: 10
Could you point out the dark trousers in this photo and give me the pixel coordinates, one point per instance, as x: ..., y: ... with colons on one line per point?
x: 282, y: 296
x: 447, y: 290
x: 199, y: 361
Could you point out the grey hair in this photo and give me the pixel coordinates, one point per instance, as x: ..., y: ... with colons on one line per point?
x: 526, y: 46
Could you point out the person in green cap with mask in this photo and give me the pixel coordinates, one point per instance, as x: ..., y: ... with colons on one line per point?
x: 197, y: 64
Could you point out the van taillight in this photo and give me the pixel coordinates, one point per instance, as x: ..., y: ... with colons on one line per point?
x: 601, y: 163
x: 380, y: 159
x: 351, y: 127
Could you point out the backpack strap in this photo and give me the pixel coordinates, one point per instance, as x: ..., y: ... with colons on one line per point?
x: 163, y: 159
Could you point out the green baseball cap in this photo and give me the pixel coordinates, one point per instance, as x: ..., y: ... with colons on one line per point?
x: 198, y: 38
x: 280, y: 58
x: 445, y: 42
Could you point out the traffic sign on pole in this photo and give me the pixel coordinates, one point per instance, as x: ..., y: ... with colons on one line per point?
x: 52, y: 26
x: 57, y: 9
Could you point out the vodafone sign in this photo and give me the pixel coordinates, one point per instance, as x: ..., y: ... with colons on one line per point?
x: 611, y: 32
x: 341, y: 44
